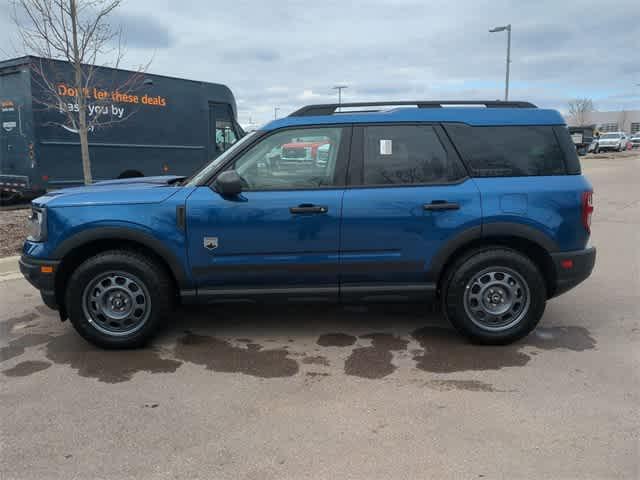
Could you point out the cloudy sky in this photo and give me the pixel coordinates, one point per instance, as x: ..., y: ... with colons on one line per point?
x: 290, y: 53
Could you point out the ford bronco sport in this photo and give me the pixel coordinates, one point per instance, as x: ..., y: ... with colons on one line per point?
x: 480, y: 206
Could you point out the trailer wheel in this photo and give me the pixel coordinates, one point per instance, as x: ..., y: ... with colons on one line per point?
x: 131, y: 174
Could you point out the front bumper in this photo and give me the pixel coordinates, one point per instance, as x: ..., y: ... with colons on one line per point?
x: 41, y: 274
x: 572, y: 268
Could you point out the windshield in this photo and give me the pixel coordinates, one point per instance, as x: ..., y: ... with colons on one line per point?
x: 610, y: 135
x: 206, y: 170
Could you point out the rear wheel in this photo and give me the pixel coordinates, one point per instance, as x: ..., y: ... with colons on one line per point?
x: 118, y: 299
x: 494, y: 295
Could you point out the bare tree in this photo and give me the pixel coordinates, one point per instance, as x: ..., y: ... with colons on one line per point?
x: 78, y: 33
x: 579, y: 109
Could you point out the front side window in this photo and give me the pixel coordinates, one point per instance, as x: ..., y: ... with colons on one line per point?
x: 406, y: 154
x: 292, y: 159
x: 508, y: 151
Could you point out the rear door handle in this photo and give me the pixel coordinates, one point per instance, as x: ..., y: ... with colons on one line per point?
x: 308, y: 208
x: 438, y: 205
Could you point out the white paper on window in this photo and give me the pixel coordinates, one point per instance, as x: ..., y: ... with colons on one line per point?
x: 386, y: 147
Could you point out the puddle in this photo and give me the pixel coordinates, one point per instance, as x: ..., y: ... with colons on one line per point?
x: 317, y: 374
x: 28, y: 367
x: 336, y: 340
x: 577, y: 339
x: 109, y: 366
x: 316, y: 360
x: 445, y: 351
x: 374, y: 361
x: 221, y: 356
x: 8, y: 326
x: 470, y: 385
x: 46, y: 311
x: 17, y: 346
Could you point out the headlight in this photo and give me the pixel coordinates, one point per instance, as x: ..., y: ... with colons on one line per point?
x: 38, y: 225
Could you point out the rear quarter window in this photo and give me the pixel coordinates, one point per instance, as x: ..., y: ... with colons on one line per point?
x: 509, y: 151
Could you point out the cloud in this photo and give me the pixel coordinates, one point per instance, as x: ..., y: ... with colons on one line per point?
x: 289, y: 52
x: 238, y: 55
x: 142, y: 30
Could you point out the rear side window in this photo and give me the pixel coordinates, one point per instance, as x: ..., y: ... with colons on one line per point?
x: 405, y: 155
x: 508, y: 151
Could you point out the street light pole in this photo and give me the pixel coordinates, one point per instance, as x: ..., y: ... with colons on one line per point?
x: 506, y: 28
x: 339, y: 88
x: 275, y: 112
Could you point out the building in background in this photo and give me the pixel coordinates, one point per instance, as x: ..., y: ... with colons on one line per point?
x: 625, y: 120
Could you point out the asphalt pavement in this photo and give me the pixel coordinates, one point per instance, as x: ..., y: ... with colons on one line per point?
x: 308, y: 392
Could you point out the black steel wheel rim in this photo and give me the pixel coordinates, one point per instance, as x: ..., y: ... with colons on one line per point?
x: 496, y: 298
x: 116, y: 303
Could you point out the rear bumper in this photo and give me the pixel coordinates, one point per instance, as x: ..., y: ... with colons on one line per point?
x: 32, y: 270
x: 18, y: 186
x: 572, y: 268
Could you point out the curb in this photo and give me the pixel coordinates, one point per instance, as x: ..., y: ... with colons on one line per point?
x: 9, y: 265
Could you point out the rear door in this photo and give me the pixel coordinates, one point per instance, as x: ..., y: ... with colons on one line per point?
x: 15, y: 159
x: 409, y: 195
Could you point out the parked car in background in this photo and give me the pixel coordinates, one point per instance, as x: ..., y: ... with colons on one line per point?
x: 612, y: 141
x: 635, y: 140
x: 582, y: 137
x: 301, y: 151
x: 483, y: 210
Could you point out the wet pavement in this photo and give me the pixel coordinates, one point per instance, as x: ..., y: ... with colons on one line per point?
x: 384, y: 391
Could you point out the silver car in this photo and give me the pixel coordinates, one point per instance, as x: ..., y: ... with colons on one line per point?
x: 612, y: 141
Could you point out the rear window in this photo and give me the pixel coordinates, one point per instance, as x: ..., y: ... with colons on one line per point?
x: 508, y: 151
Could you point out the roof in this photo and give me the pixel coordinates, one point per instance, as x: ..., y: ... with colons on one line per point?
x: 469, y: 115
x: 27, y: 59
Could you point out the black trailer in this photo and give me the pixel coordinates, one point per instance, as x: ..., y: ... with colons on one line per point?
x: 166, y: 126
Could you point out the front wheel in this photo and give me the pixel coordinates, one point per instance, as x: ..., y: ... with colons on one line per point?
x: 118, y: 299
x: 494, y: 295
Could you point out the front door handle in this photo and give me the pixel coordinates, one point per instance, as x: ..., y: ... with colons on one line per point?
x: 438, y: 205
x: 308, y: 208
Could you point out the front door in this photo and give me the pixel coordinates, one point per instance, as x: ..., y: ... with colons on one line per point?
x: 281, y: 234
x: 408, y: 197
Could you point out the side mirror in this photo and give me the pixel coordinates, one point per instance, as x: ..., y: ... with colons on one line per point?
x: 228, y: 183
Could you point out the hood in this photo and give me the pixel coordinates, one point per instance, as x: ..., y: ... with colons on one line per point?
x: 158, y: 180
x: 112, y: 192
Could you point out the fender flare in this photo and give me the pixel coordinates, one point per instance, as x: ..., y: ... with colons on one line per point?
x: 486, y: 232
x: 121, y: 233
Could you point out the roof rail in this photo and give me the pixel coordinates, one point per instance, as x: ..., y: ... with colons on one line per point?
x: 330, y: 108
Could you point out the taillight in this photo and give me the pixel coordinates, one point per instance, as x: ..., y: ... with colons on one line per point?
x: 587, y: 210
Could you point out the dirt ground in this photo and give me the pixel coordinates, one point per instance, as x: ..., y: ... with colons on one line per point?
x: 13, y: 231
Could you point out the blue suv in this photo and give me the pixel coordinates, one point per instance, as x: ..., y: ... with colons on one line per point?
x: 480, y: 206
